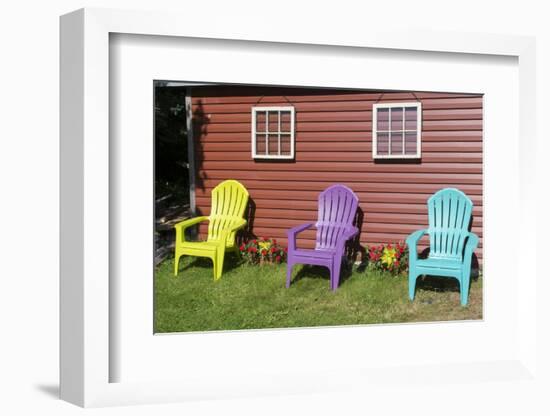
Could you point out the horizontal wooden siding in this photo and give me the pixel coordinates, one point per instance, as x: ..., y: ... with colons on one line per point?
x: 334, y: 145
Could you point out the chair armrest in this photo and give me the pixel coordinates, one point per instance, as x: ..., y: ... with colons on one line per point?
x: 469, y: 248
x: 471, y: 244
x: 341, y: 242
x: 191, y: 221
x: 232, y: 228
x: 181, y: 226
x: 237, y: 226
x: 291, y: 234
x: 412, y: 241
x: 350, y: 232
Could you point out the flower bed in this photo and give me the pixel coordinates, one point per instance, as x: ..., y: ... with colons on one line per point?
x: 262, y: 251
x: 393, y: 258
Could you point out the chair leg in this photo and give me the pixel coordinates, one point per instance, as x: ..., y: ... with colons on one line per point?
x: 218, y: 263
x: 176, y: 263
x: 289, y: 267
x: 335, y: 274
x: 412, y: 284
x: 464, y: 289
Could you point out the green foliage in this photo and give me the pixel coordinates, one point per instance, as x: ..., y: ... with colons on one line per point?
x: 391, y: 258
x: 262, y: 250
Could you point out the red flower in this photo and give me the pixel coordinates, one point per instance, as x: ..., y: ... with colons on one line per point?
x: 255, y: 241
x: 242, y: 247
x: 254, y: 249
x: 278, y: 259
x: 396, y: 263
x: 273, y: 249
x: 250, y: 249
x: 274, y: 241
x: 264, y: 252
x: 286, y: 249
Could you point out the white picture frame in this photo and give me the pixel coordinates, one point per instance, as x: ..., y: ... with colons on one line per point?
x: 85, y: 220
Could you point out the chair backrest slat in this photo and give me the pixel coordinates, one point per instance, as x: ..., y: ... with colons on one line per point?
x: 449, y: 212
x: 229, y: 200
x: 337, y: 208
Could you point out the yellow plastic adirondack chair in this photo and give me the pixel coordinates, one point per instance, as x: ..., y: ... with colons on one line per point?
x: 229, y: 200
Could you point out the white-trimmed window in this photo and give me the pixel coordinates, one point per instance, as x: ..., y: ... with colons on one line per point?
x: 396, y: 130
x: 273, y: 132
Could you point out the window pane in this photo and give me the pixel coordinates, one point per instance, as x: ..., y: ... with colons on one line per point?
x: 260, y: 121
x: 285, y: 121
x: 410, y: 118
x: 273, y: 121
x: 397, y: 118
x: 382, y: 119
x: 260, y: 144
x: 273, y: 145
x: 285, y: 144
x: 396, y: 142
x: 410, y: 143
x: 382, y: 142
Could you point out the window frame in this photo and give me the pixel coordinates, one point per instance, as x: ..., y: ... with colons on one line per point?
x: 267, y: 109
x: 390, y: 106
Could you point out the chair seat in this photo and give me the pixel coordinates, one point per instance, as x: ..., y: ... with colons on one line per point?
x: 314, y: 253
x: 200, y: 245
x: 440, y: 263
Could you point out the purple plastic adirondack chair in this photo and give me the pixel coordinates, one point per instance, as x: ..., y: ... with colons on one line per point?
x: 337, y: 208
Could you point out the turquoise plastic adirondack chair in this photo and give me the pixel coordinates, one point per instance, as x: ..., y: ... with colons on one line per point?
x: 451, y: 244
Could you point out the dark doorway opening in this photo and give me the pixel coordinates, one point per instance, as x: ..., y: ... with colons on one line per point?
x: 172, y: 190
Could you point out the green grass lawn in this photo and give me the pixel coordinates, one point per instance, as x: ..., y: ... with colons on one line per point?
x: 251, y: 297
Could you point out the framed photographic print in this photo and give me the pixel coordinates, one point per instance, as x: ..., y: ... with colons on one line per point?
x: 259, y: 164
x: 260, y: 215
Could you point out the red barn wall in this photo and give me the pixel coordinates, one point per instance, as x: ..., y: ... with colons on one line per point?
x: 333, y: 138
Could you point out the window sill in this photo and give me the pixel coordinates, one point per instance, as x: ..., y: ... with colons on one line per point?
x: 398, y: 157
x: 273, y: 157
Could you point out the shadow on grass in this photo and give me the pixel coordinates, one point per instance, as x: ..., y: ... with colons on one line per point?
x: 231, y: 261
x: 438, y: 284
x: 320, y: 272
